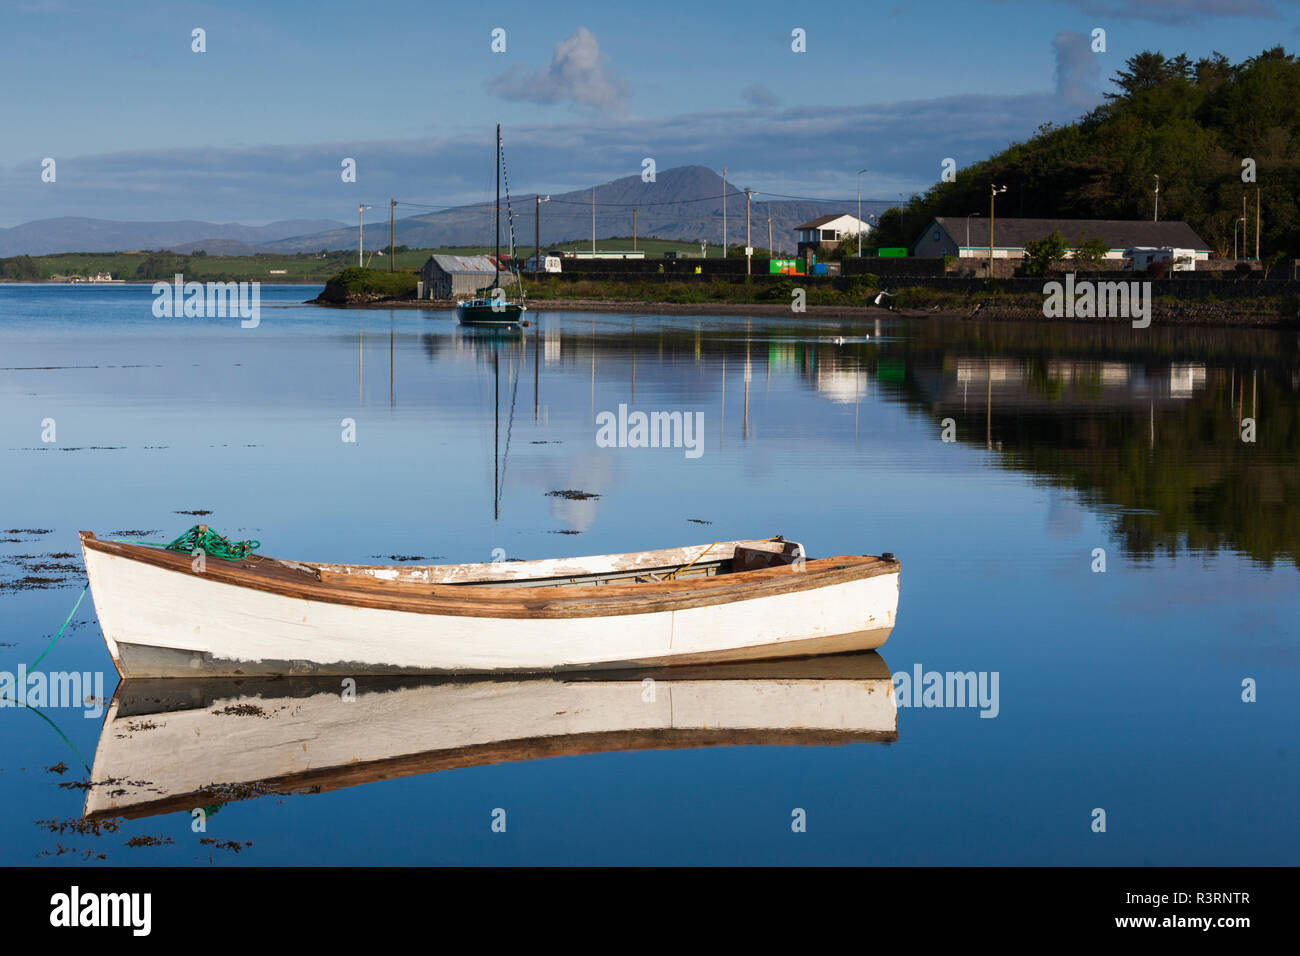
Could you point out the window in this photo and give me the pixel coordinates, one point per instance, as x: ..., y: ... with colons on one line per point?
x: 935, y: 237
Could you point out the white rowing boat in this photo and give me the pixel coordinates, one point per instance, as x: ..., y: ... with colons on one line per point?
x: 174, y: 745
x: 164, y: 614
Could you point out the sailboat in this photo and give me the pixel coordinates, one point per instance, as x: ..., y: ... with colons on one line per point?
x: 492, y: 307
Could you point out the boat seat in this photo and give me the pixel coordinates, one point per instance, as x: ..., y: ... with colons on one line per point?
x: 755, y: 559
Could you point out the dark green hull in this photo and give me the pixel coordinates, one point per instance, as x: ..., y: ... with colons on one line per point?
x: 483, y: 314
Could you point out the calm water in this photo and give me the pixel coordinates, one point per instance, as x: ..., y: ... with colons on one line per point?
x: 1119, y: 690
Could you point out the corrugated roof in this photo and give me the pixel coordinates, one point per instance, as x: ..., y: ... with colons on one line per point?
x: 463, y: 265
x: 1116, y: 233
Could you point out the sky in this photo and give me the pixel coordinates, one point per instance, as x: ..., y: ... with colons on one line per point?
x: 256, y: 127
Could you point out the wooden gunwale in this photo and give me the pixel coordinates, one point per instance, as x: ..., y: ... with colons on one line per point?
x: 267, y: 575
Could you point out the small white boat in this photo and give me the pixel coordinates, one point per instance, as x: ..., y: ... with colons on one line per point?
x: 178, y: 744
x: 164, y: 614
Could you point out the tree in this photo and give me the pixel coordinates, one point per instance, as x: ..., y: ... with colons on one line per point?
x: 1040, y: 254
x: 1090, y: 254
x: 888, y: 232
x: 1273, y: 261
x: 1146, y: 70
x: 20, y: 267
x: 1191, y: 124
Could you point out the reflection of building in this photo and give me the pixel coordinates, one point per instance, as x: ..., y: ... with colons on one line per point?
x: 971, y: 370
x: 1105, y: 374
x: 1057, y: 383
x: 841, y: 385
x: 1186, y: 378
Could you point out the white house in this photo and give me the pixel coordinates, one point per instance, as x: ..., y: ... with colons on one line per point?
x: 829, y: 230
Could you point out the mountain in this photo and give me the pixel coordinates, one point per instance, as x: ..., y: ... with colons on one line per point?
x: 684, y: 203
x: 77, y: 234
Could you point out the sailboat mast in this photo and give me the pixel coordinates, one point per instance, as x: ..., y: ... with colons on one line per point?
x: 497, y: 261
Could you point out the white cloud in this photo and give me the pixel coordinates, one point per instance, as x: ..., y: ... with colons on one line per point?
x: 1078, y: 70
x: 803, y: 151
x: 759, y: 95
x: 578, y: 73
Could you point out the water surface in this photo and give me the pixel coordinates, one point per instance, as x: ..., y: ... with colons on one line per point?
x: 1119, y: 690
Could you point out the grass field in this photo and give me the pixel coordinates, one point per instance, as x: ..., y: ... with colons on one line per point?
x: 277, y: 267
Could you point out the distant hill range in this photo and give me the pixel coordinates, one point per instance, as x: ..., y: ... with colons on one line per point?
x: 683, y: 204
x: 77, y: 234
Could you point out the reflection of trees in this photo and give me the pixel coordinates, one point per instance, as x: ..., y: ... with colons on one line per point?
x: 1084, y: 406
x: 1172, y: 471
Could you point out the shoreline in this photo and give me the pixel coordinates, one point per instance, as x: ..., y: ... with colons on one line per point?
x: 1187, y: 315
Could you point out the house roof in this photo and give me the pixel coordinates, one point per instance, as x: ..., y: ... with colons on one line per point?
x: 464, y: 265
x: 1116, y: 233
x: 823, y: 220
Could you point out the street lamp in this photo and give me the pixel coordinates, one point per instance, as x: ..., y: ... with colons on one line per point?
x: 1234, y: 236
x: 968, y: 215
x: 860, y: 172
x: 993, y: 191
x: 1157, y: 215
x: 360, y: 231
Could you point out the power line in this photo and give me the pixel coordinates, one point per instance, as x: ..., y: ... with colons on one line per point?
x: 586, y: 203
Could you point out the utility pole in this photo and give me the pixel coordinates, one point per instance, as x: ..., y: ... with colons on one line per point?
x: 1157, y: 215
x: 770, y: 253
x: 634, y: 228
x: 993, y: 191
x: 724, y: 212
x: 360, y: 232
x: 749, y: 249
x: 593, y: 220
x: 537, y: 232
x: 1257, y: 224
x: 392, y: 232
x: 860, y: 172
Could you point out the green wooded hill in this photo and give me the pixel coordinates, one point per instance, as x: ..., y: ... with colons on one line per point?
x: 1190, y: 123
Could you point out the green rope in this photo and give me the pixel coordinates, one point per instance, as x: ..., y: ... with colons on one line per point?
x: 56, y: 729
x: 214, y: 544
x: 12, y: 684
x: 60, y: 633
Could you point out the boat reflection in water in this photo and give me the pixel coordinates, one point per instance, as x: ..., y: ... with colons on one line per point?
x: 171, y: 745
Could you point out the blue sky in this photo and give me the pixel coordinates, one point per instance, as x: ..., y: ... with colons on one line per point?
x: 254, y: 129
